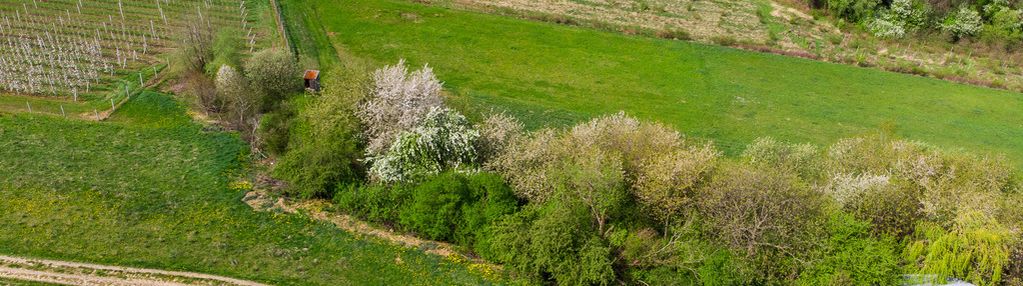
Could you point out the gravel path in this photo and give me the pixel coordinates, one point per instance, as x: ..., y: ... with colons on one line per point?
x: 74, y: 273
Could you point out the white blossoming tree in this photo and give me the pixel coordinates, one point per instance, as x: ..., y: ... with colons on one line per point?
x: 444, y: 140
x: 232, y: 89
x: 399, y: 101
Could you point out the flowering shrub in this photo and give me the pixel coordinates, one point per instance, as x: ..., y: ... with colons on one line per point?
x: 847, y: 188
x: 398, y: 102
x: 963, y: 23
x: 800, y: 158
x: 765, y: 214
x: 496, y: 132
x: 232, y: 88
x: 444, y: 140
x: 534, y: 163
x: 666, y: 184
x: 885, y: 26
x: 901, y: 18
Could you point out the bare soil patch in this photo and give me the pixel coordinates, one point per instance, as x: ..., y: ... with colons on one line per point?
x: 75, y: 273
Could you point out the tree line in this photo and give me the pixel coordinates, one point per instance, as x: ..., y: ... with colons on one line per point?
x: 621, y: 200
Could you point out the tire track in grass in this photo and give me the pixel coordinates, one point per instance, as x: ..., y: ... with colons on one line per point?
x: 75, y: 273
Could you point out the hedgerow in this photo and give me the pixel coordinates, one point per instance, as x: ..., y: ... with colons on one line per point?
x: 616, y: 199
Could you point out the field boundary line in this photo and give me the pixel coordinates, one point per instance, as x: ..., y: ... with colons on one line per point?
x: 280, y: 25
x: 35, y: 269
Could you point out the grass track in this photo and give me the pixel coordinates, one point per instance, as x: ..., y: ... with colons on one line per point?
x: 551, y: 74
x: 149, y: 188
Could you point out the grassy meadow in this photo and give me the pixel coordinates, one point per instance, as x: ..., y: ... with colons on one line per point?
x: 151, y: 188
x: 547, y: 74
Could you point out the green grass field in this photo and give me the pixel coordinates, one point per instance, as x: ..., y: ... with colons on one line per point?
x: 150, y: 188
x: 547, y: 74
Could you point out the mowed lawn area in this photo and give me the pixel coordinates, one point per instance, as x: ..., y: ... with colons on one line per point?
x: 548, y: 74
x: 150, y: 188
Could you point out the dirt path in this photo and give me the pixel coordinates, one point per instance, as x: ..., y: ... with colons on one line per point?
x: 74, y: 273
x: 260, y: 201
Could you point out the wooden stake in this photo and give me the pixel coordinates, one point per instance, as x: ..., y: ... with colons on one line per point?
x: 29, y: 107
x: 62, y: 111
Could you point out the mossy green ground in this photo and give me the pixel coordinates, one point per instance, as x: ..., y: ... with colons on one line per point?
x: 150, y: 188
x: 548, y: 74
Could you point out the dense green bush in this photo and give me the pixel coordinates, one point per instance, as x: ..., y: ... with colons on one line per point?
x: 274, y: 131
x: 977, y: 248
x: 457, y: 207
x: 854, y: 10
x: 557, y: 242
x: 851, y: 256
x: 1005, y: 23
x: 434, y: 210
x: 376, y: 203
x: 681, y: 256
x: 275, y: 74
x: 325, y: 148
x: 489, y: 199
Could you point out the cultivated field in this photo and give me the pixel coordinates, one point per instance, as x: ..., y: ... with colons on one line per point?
x: 90, y: 49
x: 150, y: 188
x: 547, y: 74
